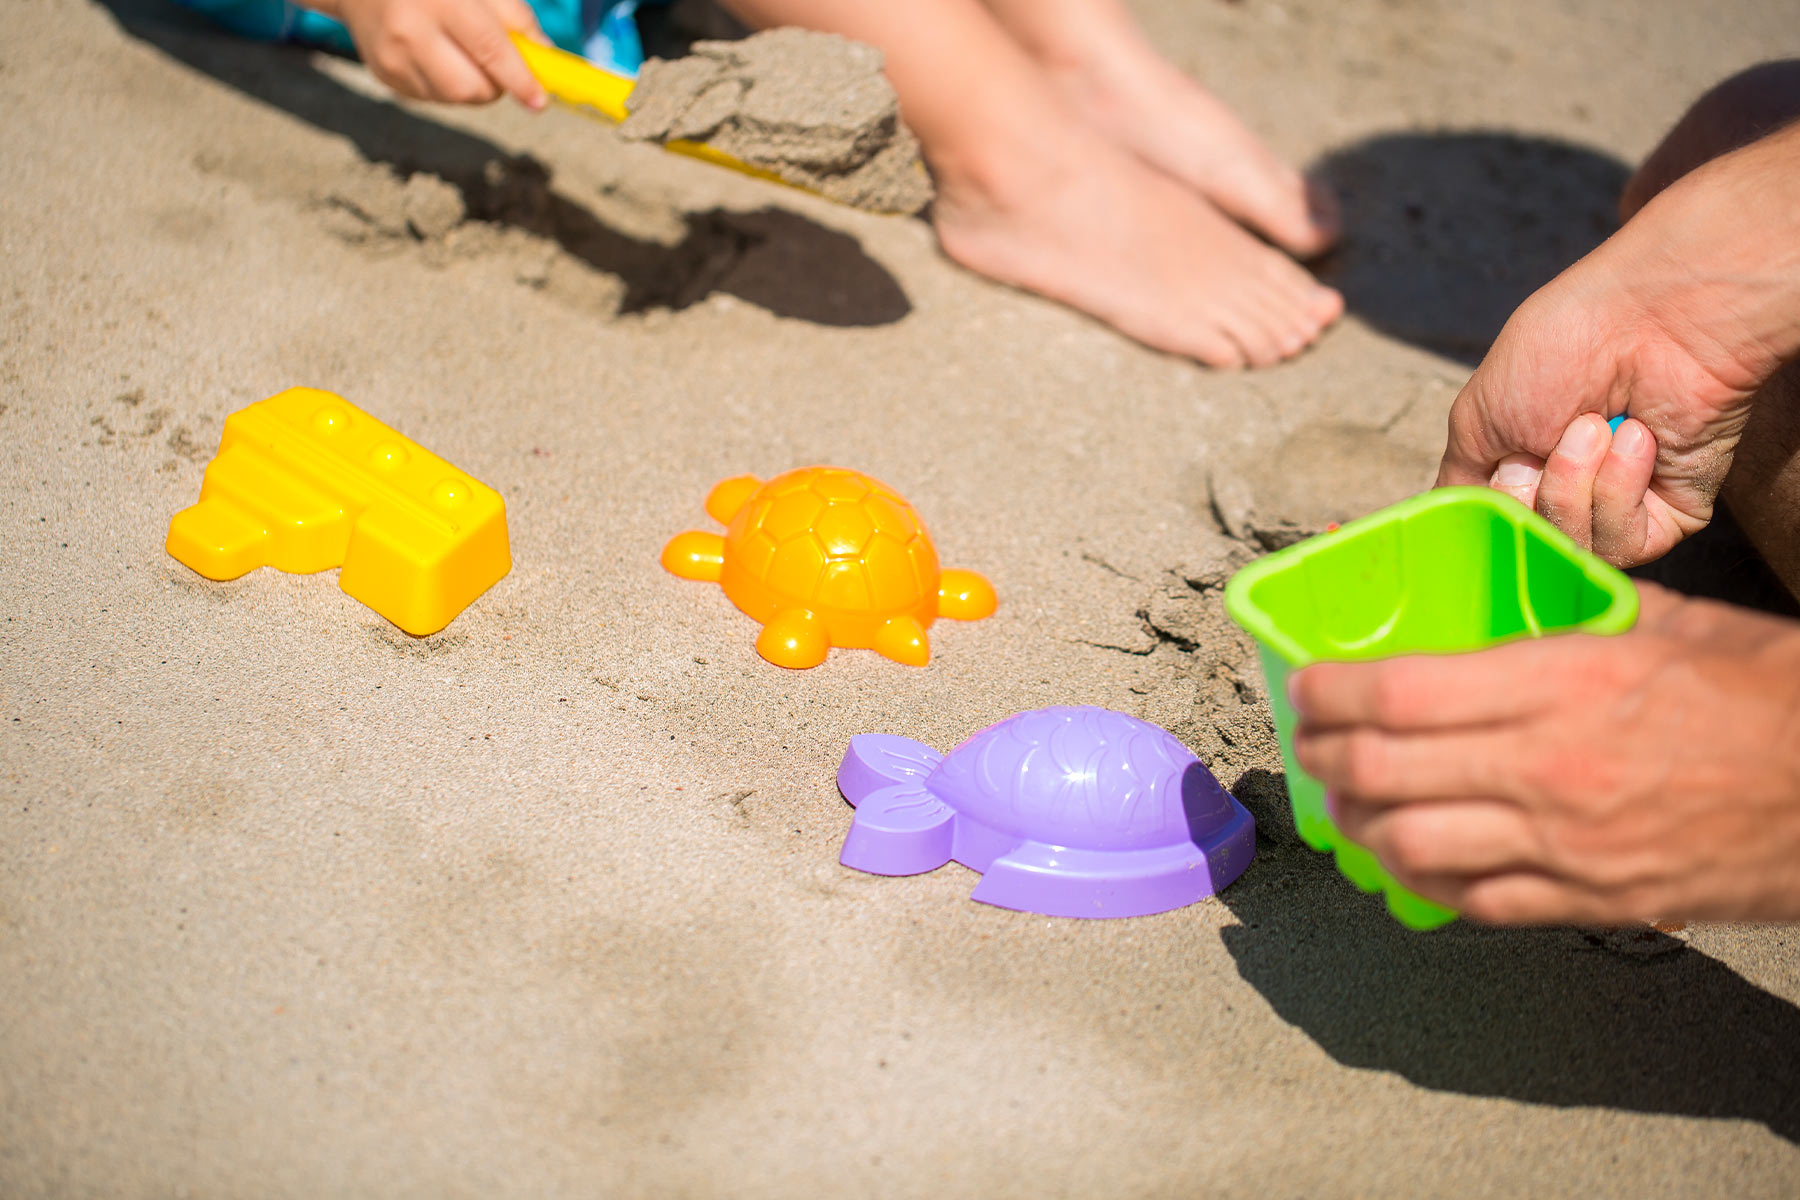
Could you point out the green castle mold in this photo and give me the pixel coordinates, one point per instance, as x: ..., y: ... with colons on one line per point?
x: 1449, y: 571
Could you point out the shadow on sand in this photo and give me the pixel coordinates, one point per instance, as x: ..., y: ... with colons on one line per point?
x: 1633, y: 1020
x: 773, y: 258
x: 1445, y: 234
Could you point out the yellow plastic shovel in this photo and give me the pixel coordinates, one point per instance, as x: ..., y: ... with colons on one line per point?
x: 589, y: 89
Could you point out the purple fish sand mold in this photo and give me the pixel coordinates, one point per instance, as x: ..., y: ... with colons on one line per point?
x: 1068, y: 812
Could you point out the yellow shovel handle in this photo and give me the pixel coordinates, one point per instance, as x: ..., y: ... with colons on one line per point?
x: 577, y: 82
x: 574, y: 80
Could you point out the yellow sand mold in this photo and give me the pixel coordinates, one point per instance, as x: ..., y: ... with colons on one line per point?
x: 305, y: 481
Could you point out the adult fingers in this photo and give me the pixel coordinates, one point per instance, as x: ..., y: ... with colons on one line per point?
x: 1517, y: 897
x: 1565, y: 494
x: 1518, y: 475
x: 1621, y: 523
x: 1660, y: 608
x: 1381, y: 769
x: 1526, y: 898
x: 1536, y: 370
x: 1426, y: 691
x: 1469, y: 457
x: 481, y: 31
x: 1450, y: 837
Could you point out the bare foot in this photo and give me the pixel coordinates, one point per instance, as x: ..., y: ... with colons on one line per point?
x: 1082, y: 221
x: 1116, y: 80
x: 1034, y: 195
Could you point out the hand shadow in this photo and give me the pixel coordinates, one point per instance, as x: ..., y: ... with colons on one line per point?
x: 1445, y: 234
x: 1634, y: 1020
x: 773, y: 258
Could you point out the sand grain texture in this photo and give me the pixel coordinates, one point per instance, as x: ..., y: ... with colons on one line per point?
x: 548, y: 904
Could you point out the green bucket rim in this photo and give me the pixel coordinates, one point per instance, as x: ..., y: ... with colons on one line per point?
x: 1618, y: 616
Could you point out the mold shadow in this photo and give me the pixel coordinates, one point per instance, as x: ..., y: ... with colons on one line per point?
x: 773, y: 258
x: 1634, y: 1020
x: 1446, y: 233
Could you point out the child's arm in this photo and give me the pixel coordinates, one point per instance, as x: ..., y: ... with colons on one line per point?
x: 450, y: 50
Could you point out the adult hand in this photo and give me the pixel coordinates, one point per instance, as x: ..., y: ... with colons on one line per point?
x: 457, y: 51
x: 1677, y: 320
x: 1653, y: 774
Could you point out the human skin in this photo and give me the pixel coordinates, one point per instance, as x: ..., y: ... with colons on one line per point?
x: 1108, y: 71
x: 1071, y: 161
x: 1678, y: 320
x: 1655, y: 774
x: 456, y: 51
x: 1763, y: 485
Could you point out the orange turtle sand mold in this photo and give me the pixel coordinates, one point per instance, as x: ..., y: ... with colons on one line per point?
x: 823, y: 557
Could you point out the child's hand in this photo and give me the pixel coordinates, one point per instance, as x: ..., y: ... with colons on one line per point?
x: 456, y: 51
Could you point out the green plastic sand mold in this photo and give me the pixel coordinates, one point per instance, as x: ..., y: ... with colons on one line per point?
x: 1453, y: 570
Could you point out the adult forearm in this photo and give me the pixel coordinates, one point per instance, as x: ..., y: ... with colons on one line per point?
x: 1714, y: 260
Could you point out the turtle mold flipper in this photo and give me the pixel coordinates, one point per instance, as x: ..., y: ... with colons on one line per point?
x: 878, y: 760
x: 901, y: 829
x: 794, y: 638
x: 695, y: 555
x: 723, y: 502
x: 903, y: 639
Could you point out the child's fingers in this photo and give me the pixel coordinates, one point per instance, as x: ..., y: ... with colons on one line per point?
x: 451, y: 74
x: 481, y: 29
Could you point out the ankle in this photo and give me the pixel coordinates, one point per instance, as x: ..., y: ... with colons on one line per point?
x: 1009, y: 157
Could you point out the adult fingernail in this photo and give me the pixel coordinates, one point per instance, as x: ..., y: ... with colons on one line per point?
x: 1293, y: 692
x: 1331, y: 805
x: 1581, y: 439
x: 1631, y: 440
x: 1515, y: 474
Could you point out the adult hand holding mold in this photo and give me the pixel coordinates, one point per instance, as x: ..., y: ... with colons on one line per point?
x: 1651, y: 774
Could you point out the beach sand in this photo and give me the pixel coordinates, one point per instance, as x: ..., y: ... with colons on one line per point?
x: 548, y: 903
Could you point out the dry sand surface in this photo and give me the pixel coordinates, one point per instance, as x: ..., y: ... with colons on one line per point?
x: 548, y: 904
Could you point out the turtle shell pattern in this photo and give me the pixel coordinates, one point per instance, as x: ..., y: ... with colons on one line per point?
x: 832, y: 540
x: 1100, y: 779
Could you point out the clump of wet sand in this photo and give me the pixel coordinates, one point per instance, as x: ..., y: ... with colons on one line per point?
x: 811, y: 108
